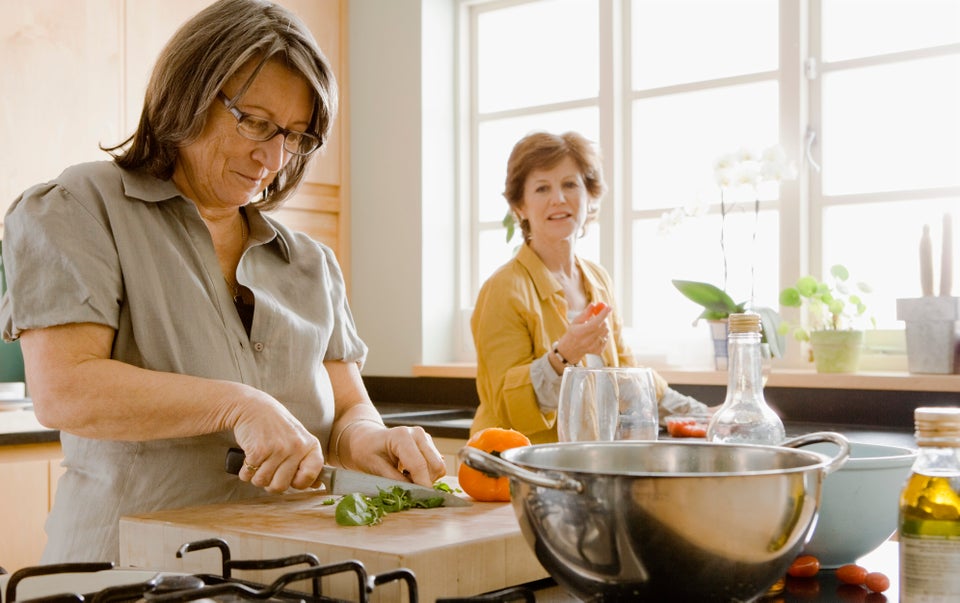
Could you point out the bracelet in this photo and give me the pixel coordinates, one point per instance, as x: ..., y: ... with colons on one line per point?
x: 336, y: 445
x: 556, y: 351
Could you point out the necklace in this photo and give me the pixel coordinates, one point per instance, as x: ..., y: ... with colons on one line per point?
x: 235, y: 285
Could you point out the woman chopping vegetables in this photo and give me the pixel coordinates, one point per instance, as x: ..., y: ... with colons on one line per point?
x: 548, y: 308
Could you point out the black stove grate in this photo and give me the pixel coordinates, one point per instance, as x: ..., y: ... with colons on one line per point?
x: 225, y: 588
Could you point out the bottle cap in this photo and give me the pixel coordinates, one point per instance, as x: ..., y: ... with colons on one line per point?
x: 748, y: 322
x: 937, y: 426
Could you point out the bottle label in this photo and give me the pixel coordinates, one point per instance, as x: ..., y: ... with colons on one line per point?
x: 929, y: 569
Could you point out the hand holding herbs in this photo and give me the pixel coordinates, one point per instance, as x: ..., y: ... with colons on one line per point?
x: 360, y: 510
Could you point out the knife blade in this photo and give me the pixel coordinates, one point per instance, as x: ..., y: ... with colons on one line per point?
x: 340, y: 481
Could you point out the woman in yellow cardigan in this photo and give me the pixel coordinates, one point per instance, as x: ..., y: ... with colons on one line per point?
x: 548, y: 308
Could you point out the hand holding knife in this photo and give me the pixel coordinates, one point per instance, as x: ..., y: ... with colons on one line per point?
x: 339, y: 481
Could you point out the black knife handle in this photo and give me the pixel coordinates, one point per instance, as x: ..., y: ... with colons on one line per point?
x: 234, y: 461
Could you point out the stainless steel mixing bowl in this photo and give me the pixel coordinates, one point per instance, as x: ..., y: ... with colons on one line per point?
x: 665, y: 521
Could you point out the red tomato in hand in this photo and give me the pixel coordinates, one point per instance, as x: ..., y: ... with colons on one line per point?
x: 597, y: 308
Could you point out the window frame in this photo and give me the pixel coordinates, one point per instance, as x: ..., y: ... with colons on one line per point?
x: 801, y: 204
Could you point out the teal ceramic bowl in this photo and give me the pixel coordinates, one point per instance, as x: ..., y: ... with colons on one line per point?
x: 859, y: 502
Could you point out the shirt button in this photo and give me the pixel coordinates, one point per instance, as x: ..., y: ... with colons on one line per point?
x: 258, y: 347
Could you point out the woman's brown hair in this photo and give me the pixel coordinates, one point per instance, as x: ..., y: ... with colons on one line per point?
x: 543, y: 151
x: 193, y: 67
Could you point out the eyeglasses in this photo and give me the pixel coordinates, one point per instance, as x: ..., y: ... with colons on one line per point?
x: 261, y: 129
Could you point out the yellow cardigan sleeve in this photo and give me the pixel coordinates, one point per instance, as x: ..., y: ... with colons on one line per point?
x: 508, y: 332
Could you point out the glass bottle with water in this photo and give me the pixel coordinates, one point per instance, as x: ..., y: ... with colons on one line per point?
x: 745, y: 417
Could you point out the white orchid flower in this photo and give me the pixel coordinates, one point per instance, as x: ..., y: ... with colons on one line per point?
x: 747, y: 174
x: 670, y: 220
x: 774, y: 165
x: 725, y: 162
x: 745, y: 154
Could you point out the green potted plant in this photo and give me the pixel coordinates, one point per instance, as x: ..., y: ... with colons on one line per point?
x: 833, y: 310
x: 718, y: 306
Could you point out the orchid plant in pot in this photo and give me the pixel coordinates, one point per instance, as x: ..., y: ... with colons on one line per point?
x: 743, y: 169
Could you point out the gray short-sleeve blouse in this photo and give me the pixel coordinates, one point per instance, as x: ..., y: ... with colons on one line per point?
x: 104, y: 245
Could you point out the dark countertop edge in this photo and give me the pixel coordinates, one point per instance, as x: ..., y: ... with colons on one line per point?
x: 29, y: 437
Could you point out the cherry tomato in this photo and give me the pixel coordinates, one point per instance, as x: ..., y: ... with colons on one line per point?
x: 597, y: 308
x: 676, y: 427
x: 852, y: 574
x: 804, y: 566
x: 877, y: 582
x: 691, y: 430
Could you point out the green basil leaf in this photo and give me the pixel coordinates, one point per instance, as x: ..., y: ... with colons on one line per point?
x: 355, y: 510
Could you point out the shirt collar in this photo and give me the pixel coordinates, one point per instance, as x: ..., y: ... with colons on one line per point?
x: 141, y: 185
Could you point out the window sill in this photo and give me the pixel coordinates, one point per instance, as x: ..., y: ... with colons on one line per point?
x: 879, y: 380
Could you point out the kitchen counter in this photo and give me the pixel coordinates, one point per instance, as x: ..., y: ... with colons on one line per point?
x: 19, y: 425
x: 452, y: 422
x: 822, y: 588
x: 451, y: 551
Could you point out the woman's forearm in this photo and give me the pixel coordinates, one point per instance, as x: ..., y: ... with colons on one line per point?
x: 77, y: 388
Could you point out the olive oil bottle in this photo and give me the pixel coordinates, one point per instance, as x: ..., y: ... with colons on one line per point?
x: 929, y: 527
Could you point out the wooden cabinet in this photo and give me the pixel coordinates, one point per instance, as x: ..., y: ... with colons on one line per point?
x: 29, y: 473
x: 74, y: 75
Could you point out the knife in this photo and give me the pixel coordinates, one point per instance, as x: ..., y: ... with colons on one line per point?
x: 341, y: 481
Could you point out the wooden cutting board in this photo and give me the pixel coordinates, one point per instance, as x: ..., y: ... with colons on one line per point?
x: 453, y: 551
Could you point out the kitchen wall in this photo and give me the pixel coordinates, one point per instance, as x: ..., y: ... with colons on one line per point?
x: 402, y: 168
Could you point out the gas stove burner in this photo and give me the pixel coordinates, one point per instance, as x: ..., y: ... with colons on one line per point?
x: 102, y: 583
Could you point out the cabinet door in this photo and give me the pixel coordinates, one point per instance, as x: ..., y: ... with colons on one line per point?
x: 23, y: 509
x: 26, y: 472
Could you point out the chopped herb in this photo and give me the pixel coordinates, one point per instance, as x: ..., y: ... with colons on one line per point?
x: 445, y: 487
x: 359, y: 510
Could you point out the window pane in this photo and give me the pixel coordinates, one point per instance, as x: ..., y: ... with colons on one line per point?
x: 497, y: 137
x: 678, y: 41
x: 878, y: 243
x: 892, y: 127
x: 678, y: 138
x: 692, y: 252
x: 537, y: 53
x: 494, y: 251
x: 894, y: 25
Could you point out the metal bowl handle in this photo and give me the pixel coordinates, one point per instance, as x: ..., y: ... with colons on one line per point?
x: 490, y: 464
x: 824, y: 436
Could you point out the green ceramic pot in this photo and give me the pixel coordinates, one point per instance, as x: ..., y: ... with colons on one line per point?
x: 836, y: 351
